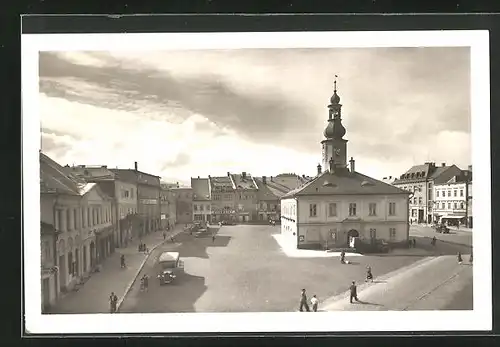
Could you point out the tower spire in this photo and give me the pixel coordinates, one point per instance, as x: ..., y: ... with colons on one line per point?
x: 335, y: 84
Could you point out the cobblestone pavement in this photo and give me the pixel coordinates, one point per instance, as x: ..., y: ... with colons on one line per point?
x: 433, y: 284
x: 244, y: 270
x: 93, y: 296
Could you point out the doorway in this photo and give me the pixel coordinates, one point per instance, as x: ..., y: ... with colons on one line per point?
x: 62, y: 273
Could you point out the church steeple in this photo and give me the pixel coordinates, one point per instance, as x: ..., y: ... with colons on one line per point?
x: 334, y: 146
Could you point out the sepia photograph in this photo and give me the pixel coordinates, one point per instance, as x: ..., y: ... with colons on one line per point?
x: 234, y: 181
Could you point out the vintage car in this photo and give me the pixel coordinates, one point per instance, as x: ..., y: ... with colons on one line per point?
x: 441, y: 228
x: 170, y: 267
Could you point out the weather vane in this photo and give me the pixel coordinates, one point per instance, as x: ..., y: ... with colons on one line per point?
x: 335, y: 83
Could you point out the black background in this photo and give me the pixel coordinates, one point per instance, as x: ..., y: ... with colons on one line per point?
x: 10, y: 112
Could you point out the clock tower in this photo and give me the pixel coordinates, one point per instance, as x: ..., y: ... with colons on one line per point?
x: 334, y: 147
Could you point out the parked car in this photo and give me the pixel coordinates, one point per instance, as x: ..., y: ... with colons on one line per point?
x: 228, y: 222
x: 442, y: 229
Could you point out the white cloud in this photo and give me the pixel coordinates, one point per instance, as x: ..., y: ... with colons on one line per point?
x: 97, y: 136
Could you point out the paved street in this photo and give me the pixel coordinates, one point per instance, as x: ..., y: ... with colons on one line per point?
x: 93, y: 297
x: 244, y: 270
x: 459, y: 236
x: 433, y: 284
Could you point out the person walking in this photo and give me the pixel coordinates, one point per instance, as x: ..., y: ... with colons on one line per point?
x: 213, y: 238
x: 414, y: 243
x: 353, y: 292
x: 145, y: 282
x: 314, y: 303
x: 303, y: 301
x: 113, y: 300
x: 369, y: 275
x: 433, y: 241
x: 459, y: 258
x: 342, y: 257
x: 122, y: 261
x: 164, y: 236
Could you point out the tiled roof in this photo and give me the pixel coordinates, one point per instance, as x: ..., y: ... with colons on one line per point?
x: 54, y: 178
x: 344, y: 182
x: 91, y: 172
x: 133, y: 176
x: 201, y: 189
x: 221, y: 181
x: 266, y: 192
x: 243, y: 183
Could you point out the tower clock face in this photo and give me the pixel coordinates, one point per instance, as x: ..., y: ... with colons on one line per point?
x: 336, y: 151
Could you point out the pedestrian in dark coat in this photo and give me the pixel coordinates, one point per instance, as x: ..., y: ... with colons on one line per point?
x: 122, y: 261
x: 459, y: 258
x: 303, y: 301
x: 353, y: 292
x: 113, y: 300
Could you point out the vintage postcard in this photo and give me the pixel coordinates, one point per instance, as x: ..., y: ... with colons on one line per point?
x: 256, y: 182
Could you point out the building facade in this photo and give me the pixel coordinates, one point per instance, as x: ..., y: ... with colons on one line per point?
x: 184, y: 204
x: 76, y: 228
x: 123, y: 194
x: 147, y: 195
x: 453, y: 200
x: 202, y: 211
x: 340, y: 205
x: 245, y: 197
x: 419, y: 180
x: 168, y: 207
x: 223, y: 204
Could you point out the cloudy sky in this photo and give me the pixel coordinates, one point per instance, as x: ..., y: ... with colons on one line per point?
x: 183, y: 114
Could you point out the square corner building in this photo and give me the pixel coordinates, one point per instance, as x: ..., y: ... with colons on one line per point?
x: 340, y: 204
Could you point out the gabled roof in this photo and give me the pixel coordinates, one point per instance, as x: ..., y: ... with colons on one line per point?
x: 133, y: 176
x: 54, y: 179
x: 201, y: 189
x: 417, y: 173
x: 344, y: 182
x: 244, y: 182
x: 266, y: 192
x: 94, y: 173
x: 221, y: 181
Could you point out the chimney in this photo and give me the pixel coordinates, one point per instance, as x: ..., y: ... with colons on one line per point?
x: 209, y: 177
x: 244, y: 174
x: 104, y: 166
x: 469, y: 168
x: 303, y: 176
x: 443, y: 164
x: 352, y: 162
x: 319, y: 169
x: 135, y: 165
x: 264, y: 179
x: 198, y: 177
x: 390, y: 177
x: 271, y: 178
x: 177, y: 184
x: 228, y: 174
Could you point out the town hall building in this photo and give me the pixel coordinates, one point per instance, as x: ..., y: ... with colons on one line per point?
x: 341, y: 205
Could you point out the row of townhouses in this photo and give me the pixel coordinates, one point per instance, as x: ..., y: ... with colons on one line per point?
x: 87, y: 212
x: 438, y: 193
x: 234, y: 197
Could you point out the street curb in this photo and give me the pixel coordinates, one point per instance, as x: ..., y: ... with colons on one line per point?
x: 129, y: 286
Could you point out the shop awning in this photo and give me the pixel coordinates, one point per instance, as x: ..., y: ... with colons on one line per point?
x: 453, y: 217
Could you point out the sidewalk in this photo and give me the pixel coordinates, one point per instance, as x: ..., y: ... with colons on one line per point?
x: 93, y: 297
x: 428, y: 284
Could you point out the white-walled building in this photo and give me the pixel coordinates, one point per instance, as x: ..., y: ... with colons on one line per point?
x: 452, y: 199
x: 340, y: 203
x: 76, y: 228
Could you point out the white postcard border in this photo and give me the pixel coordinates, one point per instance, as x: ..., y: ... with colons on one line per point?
x: 478, y: 319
